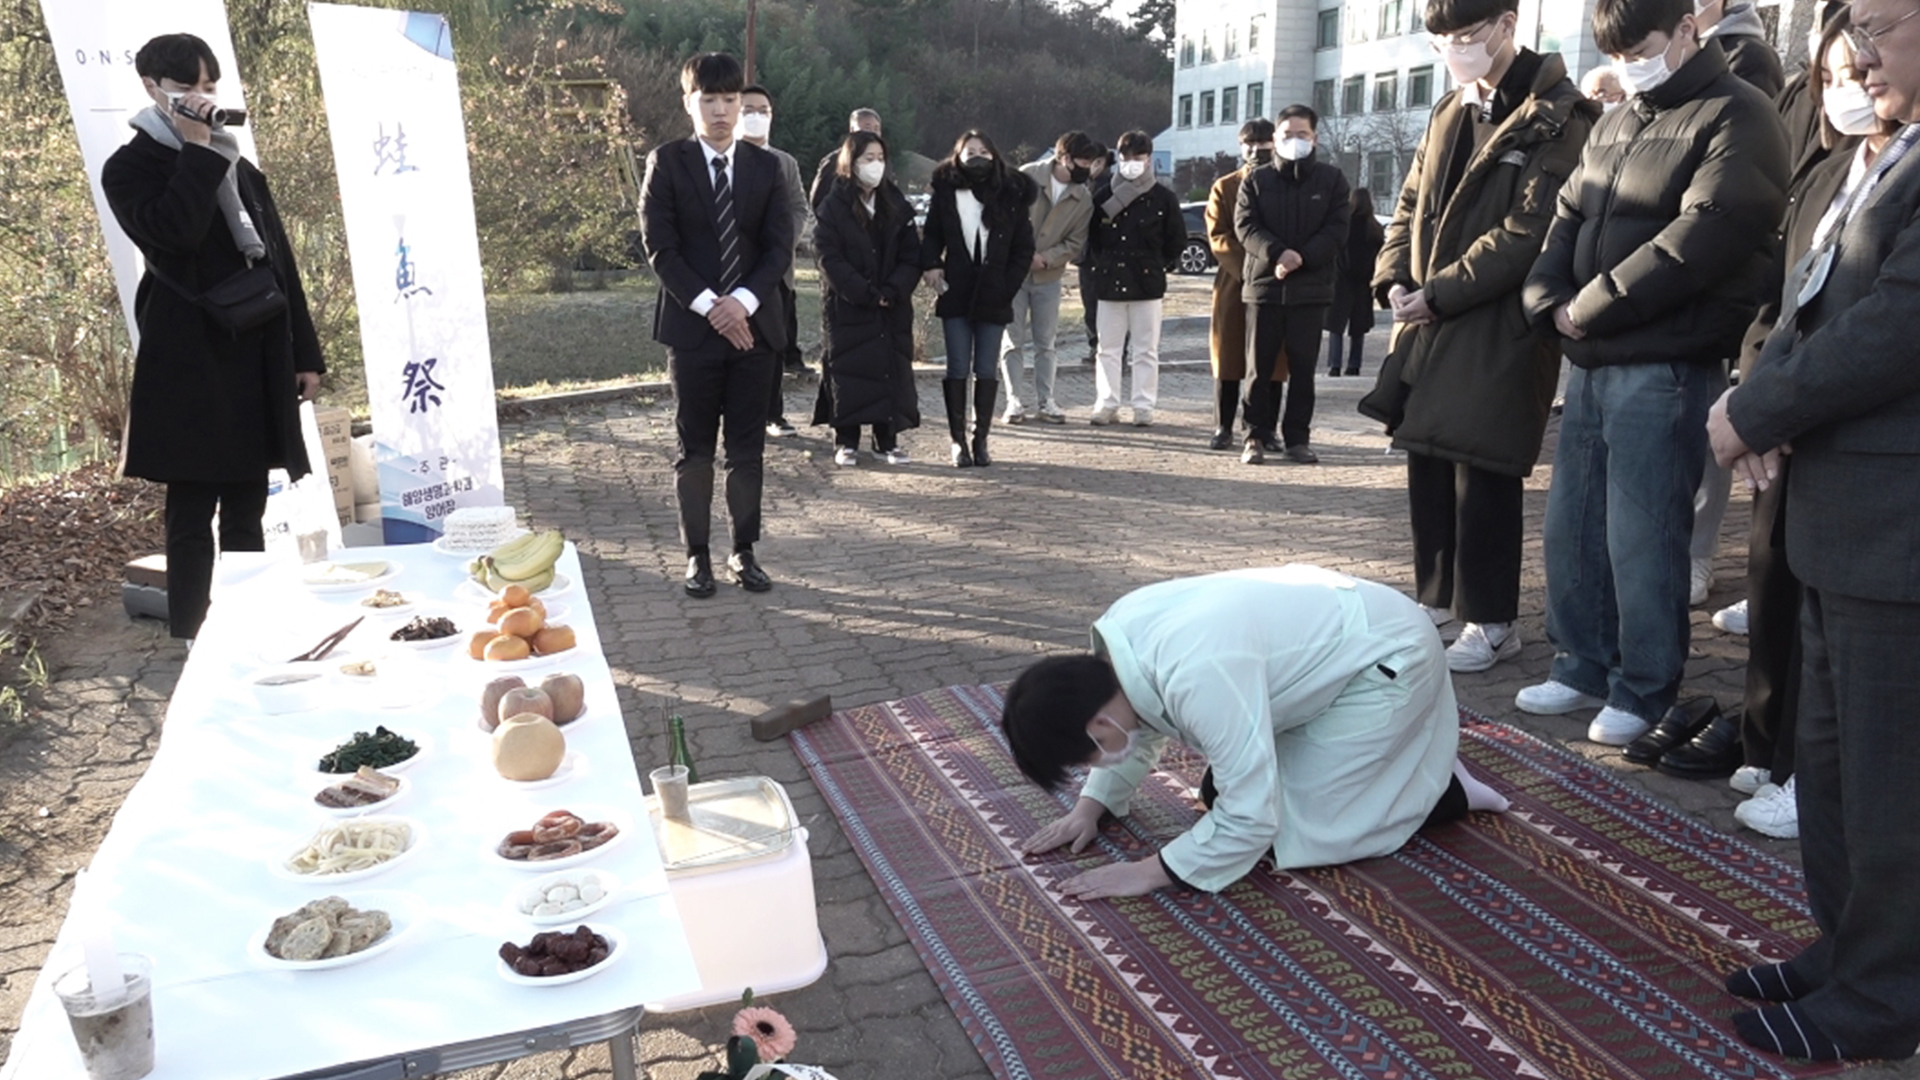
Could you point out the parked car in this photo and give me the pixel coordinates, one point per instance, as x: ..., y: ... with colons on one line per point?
x: 1197, y: 256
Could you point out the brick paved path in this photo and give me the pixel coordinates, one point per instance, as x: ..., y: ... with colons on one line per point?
x: 891, y: 580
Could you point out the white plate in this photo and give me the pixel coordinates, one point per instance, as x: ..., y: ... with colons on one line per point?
x: 398, y: 609
x: 514, y: 667
x: 440, y: 545
x: 392, y: 571
x: 616, y: 948
x: 278, y: 863
x: 570, y: 766
x: 591, y: 814
x: 469, y: 589
x: 401, y: 908
x: 406, y: 785
x: 420, y: 743
x: 607, y: 881
x: 458, y: 637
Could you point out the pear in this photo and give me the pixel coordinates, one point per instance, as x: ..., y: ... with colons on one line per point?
x: 568, y: 694
x: 526, y: 700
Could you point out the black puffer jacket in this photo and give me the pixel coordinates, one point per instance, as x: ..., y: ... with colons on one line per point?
x: 1292, y: 205
x: 1662, y: 234
x: 1128, y: 255
x: 980, y: 291
x: 869, y: 356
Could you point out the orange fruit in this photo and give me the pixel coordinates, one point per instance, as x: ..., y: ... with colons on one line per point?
x: 477, y: 645
x: 516, y: 595
x: 553, y: 639
x: 521, y: 622
x: 497, y: 609
x: 508, y: 647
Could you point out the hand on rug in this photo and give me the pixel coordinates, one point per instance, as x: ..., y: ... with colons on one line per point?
x: 1120, y: 879
x: 1078, y: 827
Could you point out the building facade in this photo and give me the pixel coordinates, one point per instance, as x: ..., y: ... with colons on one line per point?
x: 1366, y: 66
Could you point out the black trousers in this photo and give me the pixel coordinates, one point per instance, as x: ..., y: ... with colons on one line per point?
x: 792, y: 361
x: 1467, y: 538
x: 190, y: 550
x: 713, y: 385
x: 884, y: 439
x: 1858, y: 755
x: 1271, y: 328
x: 1772, y: 707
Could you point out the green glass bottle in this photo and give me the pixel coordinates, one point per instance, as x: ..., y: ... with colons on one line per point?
x: 677, y: 749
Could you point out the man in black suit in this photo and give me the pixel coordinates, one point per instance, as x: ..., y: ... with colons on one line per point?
x: 719, y: 235
x: 1838, y: 385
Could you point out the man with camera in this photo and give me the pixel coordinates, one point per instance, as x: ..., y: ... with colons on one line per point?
x: 227, y: 349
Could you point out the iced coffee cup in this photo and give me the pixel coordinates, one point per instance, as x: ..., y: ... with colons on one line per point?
x: 114, y: 1030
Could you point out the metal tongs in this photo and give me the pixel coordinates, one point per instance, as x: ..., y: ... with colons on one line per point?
x: 327, y: 644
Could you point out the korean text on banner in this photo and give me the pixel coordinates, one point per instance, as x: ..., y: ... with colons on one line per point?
x: 400, y: 150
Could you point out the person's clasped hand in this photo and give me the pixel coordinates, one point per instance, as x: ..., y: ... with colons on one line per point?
x: 1411, y: 307
x: 728, y: 316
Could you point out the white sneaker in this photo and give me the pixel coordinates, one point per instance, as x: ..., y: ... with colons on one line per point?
x: 1479, y: 647
x: 846, y: 455
x: 1143, y: 418
x: 1701, y: 582
x: 1749, y: 779
x: 1616, y: 727
x: 1016, y: 413
x: 1440, y: 616
x: 1732, y: 619
x: 1775, y: 813
x: 1052, y: 413
x: 1553, y: 698
x: 1103, y: 417
x: 896, y: 456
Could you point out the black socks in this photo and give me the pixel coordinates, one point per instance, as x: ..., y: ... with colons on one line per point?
x: 1779, y: 1029
x: 1767, y: 982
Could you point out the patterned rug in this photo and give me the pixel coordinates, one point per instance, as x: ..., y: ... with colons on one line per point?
x: 1581, y: 936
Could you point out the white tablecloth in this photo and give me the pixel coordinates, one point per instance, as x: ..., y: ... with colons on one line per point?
x: 184, y: 873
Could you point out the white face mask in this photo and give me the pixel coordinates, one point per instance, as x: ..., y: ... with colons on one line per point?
x: 871, y: 173
x: 1131, y: 170
x: 1608, y: 106
x: 1107, y: 759
x: 1640, y: 76
x: 1849, y: 109
x: 756, y: 125
x: 1295, y: 149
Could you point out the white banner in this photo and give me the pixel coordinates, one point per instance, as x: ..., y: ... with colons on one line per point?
x: 400, y: 149
x: 95, y: 41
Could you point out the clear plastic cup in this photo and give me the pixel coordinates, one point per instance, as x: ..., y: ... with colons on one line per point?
x: 670, y: 787
x: 116, y: 1035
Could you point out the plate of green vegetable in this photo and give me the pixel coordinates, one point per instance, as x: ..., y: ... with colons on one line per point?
x: 380, y: 749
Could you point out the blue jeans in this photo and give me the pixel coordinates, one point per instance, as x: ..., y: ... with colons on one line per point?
x: 973, y: 347
x: 1633, y: 443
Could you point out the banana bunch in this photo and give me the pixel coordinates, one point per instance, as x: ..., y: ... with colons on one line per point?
x: 526, y: 561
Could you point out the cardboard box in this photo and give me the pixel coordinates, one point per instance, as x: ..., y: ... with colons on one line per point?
x: 336, y: 433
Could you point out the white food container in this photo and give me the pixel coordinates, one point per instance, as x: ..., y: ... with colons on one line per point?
x: 741, y: 876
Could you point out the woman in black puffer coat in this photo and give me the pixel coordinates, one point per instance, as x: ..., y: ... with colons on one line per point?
x: 1351, y: 315
x: 869, y: 263
x: 977, y: 249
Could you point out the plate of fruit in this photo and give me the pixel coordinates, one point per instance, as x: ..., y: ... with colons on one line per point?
x: 518, y: 635
x: 526, y: 561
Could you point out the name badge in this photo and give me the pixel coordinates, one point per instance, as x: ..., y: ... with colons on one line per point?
x: 1813, y: 272
x: 1513, y: 157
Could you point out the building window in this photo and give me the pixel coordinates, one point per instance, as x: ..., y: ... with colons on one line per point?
x: 1356, y: 25
x: 1380, y: 174
x: 1186, y: 110
x: 1393, y: 17
x: 1206, y: 46
x: 1206, y: 107
x: 1232, y: 46
x: 1253, y: 36
x: 1353, y: 96
x: 1186, y: 52
x: 1256, y: 100
x: 1230, y: 105
x: 1323, y: 97
x: 1386, y: 92
x: 1327, y: 36
x: 1420, y: 88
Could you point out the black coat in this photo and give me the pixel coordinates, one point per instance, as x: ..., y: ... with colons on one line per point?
x: 1128, y: 255
x: 980, y: 291
x: 869, y: 355
x: 682, y: 240
x: 1352, y: 310
x: 1663, y: 233
x: 1302, y: 206
x: 207, y: 406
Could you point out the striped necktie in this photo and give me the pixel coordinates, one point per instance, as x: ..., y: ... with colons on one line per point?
x: 729, y: 232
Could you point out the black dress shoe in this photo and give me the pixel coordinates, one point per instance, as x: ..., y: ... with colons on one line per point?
x: 1302, y: 454
x: 1222, y: 440
x: 747, y: 573
x: 1711, y: 755
x: 1680, y: 725
x: 1272, y: 445
x: 699, y: 576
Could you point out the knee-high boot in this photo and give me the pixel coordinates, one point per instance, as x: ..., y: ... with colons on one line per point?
x: 1227, y: 402
x: 983, y: 394
x: 956, y: 392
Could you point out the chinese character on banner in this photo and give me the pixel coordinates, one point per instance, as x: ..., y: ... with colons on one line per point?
x: 419, y: 391
x: 405, y: 277
x: 392, y: 150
